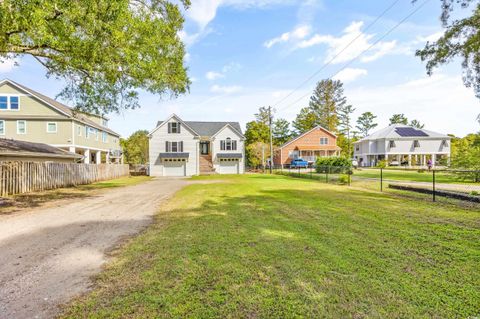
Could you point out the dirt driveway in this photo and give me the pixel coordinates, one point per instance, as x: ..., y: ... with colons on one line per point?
x: 47, y: 255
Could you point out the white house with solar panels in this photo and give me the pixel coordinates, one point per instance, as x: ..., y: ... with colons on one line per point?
x: 403, y: 145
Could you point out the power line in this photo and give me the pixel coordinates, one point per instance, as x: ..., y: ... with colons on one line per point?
x: 367, y: 49
x: 338, y: 54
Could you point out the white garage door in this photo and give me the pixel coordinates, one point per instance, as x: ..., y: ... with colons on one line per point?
x: 228, y: 166
x: 174, y: 167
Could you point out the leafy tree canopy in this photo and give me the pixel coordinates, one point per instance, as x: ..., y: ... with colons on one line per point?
x: 398, y: 119
x: 281, y: 132
x: 135, y: 148
x: 257, y: 132
x: 461, y: 39
x: 105, y: 50
x: 305, y: 121
x: 365, y: 123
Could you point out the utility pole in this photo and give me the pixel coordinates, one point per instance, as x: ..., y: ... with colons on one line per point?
x: 271, y: 138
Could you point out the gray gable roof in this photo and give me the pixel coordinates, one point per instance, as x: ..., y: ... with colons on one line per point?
x: 209, y: 128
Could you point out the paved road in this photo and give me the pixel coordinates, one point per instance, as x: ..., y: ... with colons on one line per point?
x: 48, y: 255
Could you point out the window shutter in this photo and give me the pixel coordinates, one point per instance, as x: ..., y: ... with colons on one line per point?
x: 169, y: 127
x: 167, y: 147
x: 181, y: 147
x: 234, y: 145
x: 222, y: 145
x: 178, y: 128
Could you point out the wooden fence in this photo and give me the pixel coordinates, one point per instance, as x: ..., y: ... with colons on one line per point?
x: 24, y: 177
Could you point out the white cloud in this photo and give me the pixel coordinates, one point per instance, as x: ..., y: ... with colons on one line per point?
x: 232, y: 66
x: 357, y: 40
x: 225, y: 89
x: 296, y: 34
x: 8, y: 65
x: 212, y: 75
x: 350, y: 74
x: 442, y: 102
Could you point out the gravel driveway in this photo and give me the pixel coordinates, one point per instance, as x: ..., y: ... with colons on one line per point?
x: 48, y: 255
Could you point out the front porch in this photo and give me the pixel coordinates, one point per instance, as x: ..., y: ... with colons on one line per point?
x: 96, y: 156
x: 411, y: 160
x: 312, y: 155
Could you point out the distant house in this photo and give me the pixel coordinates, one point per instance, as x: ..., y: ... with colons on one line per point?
x: 185, y: 148
x: 318, y: 142
x: 400, y: 144
x: 27, y: 115
x: 13, y: 150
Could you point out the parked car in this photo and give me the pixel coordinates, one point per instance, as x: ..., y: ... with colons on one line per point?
x: 298, y: 163
x: 394, y: 163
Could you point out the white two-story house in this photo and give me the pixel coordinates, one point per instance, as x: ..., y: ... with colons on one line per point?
x: 400, y: 144
x: 186, y: 148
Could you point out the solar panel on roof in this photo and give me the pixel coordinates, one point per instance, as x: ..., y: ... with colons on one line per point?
x: 409, y: 132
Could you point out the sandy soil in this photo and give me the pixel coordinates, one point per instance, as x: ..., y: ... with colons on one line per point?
x: 48, y: 254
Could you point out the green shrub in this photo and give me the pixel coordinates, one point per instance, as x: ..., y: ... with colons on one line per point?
x: 382, y: 164
x: 474, y: 193
x: 333, y: 165
x: 343, y: 179
x: 421, y: 170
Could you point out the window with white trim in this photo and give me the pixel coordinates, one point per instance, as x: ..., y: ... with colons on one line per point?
x: 174, y: 147
x: 228, y: 145
x: 174, y: 127
x: 51, y: 127
x: 2, y: 127
x: 21, y: 127
x: 104, y: 137
x: 9, y: 102
x: 357, y: 147
x: 391, y: 144
x: 323, y: 140
x: 416, y: 143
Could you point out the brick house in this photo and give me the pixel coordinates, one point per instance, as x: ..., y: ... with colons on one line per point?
x: 318, y: 142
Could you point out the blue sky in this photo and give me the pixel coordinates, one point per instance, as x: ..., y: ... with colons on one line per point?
x: 252, y: 53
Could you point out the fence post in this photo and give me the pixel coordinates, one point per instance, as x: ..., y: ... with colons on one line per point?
x: 381, y: 179
x: 326, y: 173
x: 311, y: 172
x: 350, y: 172
x: 433, y: 179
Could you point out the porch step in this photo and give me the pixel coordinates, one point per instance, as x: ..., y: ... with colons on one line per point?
x: 206, y: 165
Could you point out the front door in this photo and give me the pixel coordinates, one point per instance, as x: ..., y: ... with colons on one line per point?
x: 204, y: 148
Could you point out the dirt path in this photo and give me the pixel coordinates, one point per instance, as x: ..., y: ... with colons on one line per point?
x: 47, y: 255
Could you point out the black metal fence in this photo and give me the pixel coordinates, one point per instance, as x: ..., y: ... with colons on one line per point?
x: 434, y: 185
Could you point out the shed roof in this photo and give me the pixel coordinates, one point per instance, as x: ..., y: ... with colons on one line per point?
x: 16, y: 147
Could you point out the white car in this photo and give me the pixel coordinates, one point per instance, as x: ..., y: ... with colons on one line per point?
x: 394, y: 163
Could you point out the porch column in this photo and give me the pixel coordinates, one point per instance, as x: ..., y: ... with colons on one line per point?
x: 409, y: 160
x: 107, y: 158
x: 98, y: 157
x: 434, y: 159
x: 71, y: 149
x: 86, y: 153
x: 424, y: 160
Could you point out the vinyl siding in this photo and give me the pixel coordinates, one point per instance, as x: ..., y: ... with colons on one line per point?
x: 157, y: 146
x: 221, y: 136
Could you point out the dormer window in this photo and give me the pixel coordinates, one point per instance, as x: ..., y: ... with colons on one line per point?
x: 416, y: 144
x: 323, y: 140
x: 174, y: 127
x: 228, y: 145
x: 391, y: 144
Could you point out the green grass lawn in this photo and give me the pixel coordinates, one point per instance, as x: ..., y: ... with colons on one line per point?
x: 260, y: 246
x: 411, y: 175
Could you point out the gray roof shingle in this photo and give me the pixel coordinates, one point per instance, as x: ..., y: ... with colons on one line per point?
x: 15, y: 146
x: 209, y: 128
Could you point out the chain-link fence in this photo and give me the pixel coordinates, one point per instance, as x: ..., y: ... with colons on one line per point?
x: 434, y: 185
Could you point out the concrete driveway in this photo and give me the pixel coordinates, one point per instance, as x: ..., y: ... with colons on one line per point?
x: 48, y: 255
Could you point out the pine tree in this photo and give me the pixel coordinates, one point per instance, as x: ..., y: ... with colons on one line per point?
x: 345, y: 125
x: 328, y: 97
x: 365, y: 123
x: 305, y: 121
